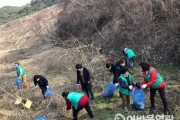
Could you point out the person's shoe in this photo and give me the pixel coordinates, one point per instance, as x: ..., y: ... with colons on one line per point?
x: 152, y: 109
x: 126, y: 110
x: 90, y: 118
x: 166, y: 112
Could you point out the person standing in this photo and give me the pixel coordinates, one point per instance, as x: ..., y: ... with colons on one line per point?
x: 154, y: 80
x: 111, y: 69
x: 42, y: 82
x: 125, y: 86
x: 116, y: 69
x: 130, y: 55
x: 21, y: 73
x: 122, y: 63
x: 83, y: 77
x: 77, y: 101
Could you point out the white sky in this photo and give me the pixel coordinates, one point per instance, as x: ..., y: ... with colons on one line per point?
x: 13, y: 2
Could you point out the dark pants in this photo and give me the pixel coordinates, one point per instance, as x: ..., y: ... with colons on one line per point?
x: 88, y: 89
x: 131, y: 62
x: 162, y: 95
x: 43, y: 89
x: 125, y: 100
x: 88, y: 109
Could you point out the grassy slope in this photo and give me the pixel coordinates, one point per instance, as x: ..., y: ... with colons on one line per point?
x: 107, y: 108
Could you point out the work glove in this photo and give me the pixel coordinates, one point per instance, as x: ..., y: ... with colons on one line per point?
x: 47, y: 86
x: 143, y: 86
x: 64, y: 109
x: 19, y: 77
x: 78, y: 84
x: 92, y: 79
x: 130, y: 87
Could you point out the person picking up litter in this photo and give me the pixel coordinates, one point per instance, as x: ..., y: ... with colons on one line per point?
x: 116, y: 69
x: 130, y: 55
x: 152, y: 79
x: 21, y: 73
x: 77, y: 101
x: 42, y: 82
x: 125, y: 86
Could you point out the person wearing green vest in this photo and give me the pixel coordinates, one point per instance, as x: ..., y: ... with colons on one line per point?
x: 125, y: 86
x: 77, y: 101
x: 21, y: 73
x: 129, y: 54
x: 154, y: 80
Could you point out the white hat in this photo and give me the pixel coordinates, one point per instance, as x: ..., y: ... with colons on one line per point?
x: 125, y: 49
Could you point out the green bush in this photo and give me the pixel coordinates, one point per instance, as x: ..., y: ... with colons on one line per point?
x: 9, y: 13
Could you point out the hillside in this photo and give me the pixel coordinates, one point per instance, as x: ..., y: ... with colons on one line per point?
x: 50, y: 42
x: 151, y: 28
x: 10, y: 13
x: 26, y: 40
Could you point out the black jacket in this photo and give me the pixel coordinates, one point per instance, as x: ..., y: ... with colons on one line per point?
x: 112, y: 70
x: 86, y: 75
x: 117, y: 72
x: 41, y: 81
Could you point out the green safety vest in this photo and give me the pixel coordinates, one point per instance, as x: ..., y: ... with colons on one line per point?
x: 159, y: 79
x: 18, y: 69
x: 130, y: 53
x: 74, y: 98
x: 121, y: 89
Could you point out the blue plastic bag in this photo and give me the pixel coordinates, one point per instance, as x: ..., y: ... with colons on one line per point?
x: 110, y: 89
x: 19, y: 82
x: 41, y: 118
x: 138, y: 99
x: 48, y: 93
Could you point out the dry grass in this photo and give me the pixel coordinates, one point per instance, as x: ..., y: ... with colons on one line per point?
x: 61, y: 75
x: 57, y: 63
x: 150, y: 27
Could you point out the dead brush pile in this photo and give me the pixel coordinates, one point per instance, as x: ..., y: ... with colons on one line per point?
x: 64, y: 60
x: 150, y: 27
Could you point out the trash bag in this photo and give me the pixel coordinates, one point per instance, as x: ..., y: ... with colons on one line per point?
x: 138, y: 98
x: 110, y: 89
x: 19, y: 82
x: 41, y: 118
x: 48, y: 93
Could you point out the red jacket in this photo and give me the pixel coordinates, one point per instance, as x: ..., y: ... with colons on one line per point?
x: 153, y: 78
x: 81, y: 104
